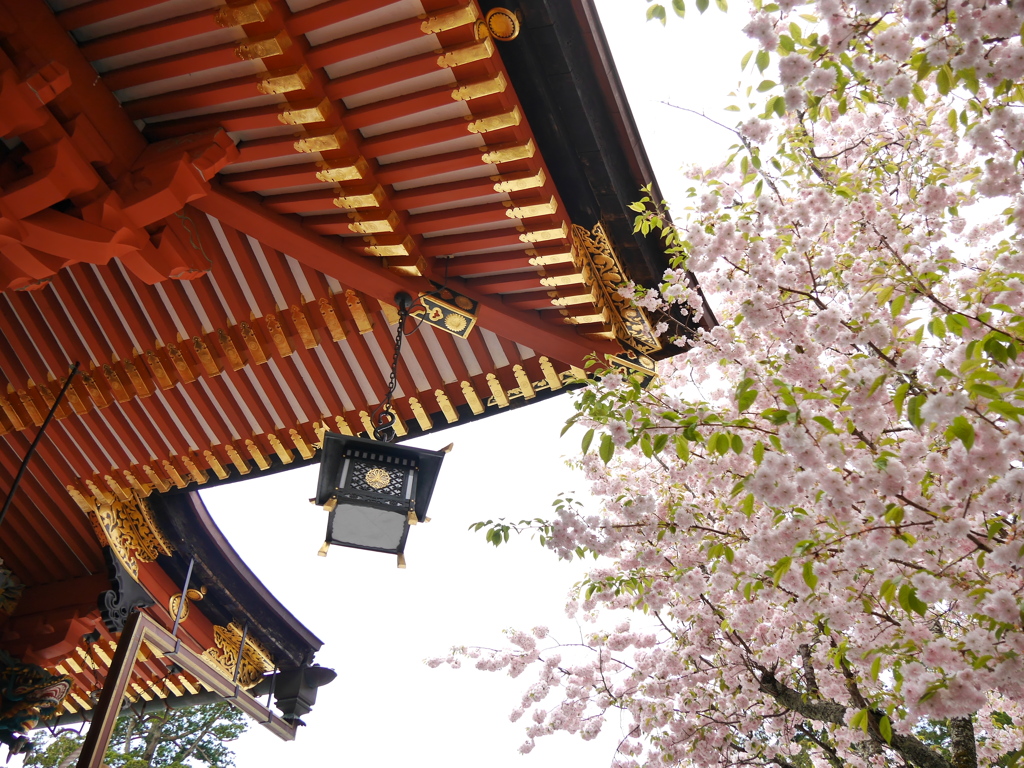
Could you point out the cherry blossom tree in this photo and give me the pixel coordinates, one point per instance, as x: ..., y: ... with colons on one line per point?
x: 809, y: 543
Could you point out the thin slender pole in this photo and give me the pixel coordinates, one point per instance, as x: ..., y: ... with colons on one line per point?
x: 35, y: 442
x: 184, y: 596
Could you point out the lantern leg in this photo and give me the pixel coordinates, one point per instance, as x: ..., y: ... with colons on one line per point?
x: 401, y: 560
x: 411, y: 517
x: 323, y: 550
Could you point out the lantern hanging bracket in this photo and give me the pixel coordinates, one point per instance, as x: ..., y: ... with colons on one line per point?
x: 383, y: 416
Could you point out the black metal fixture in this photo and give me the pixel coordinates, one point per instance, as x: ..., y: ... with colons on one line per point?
x: 375, y: 490
x: 295, y: 690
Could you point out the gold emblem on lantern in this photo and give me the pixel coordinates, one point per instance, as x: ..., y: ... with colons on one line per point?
x: 377, y: 478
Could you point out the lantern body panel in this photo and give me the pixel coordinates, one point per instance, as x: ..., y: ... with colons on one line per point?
x: 371, y: 488
x: 367, y: 528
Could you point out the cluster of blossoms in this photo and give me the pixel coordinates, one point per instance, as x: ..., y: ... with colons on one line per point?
x: 812, y: 519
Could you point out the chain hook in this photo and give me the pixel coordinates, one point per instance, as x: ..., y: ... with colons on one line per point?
x: 383, y: 417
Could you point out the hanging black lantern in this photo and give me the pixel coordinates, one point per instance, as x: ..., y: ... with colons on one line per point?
x: 374, y: 491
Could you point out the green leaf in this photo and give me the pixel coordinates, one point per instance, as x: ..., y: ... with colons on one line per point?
x: 723, y: 6
x: 656, y: 12
x: 876, y: 667
x: 810, y: 578
x: 781, y: 569
x: 682, y: 447
x: 660, y: 441
x: 745, y: 399
x: 962, y: 430
x: 568, y: 424
x: 942, y: 81
x: 746, y: 59
x: 646, y: 446
x: 607, y: 449
x: 885, y: 728
x: 702, y: 5
x: 761, y: 61
x: 860, y: 720
x: 898, y: 397
x: 914, y: 411
x: 587, y: 440
x: 766, y: 85
x: 826, y: 423
x: 737, y: 444
x: 758, y: 452
x: 679, y: 7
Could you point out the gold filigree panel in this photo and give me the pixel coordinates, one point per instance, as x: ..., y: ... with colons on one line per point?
x: 256, y: 660
x: 130, y: 530
x: 597, y: 262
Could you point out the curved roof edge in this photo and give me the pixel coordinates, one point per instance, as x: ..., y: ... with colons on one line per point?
x: 234, y: 593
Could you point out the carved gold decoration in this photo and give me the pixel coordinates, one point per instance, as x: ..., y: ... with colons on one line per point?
x: 30, y: 407
x: 506, y: 153
x: 305, y: 113
x: 539, y: 236
x: 252, y: 343
x: 502, y: 24
x: 524, y: 382
x: 349, y: 169
x: 191, y: 596
x: 331, y: 319
x: 519, y: 181
x: 545, y: 256
x: 497, y: 392
x: 543, y: 208
x: 215, y: 465
x: 550, y: 375
x: 285, y: 80
x: 256, y: 659
x: 193, y: 470
x: 172, y: 472
x: 156, y: 366
x: 246, y: 13
x: 364, y: 323
x: 207, y: 360
x: 241, y: 465
x: 161, y: 485
x: 300, y: 445
x: 180, y: 364
x: 553, y: 281
x: 117, y: 488
x: 385, y: 246
x: 378, y: 478
x: 301, y: 324
x: 322, y: 142
x: 131, y: 532
x: 472, y: 398
x: 448, y: 311
x: 257, y: 454
x: 422, y: 417
x: 136, y: 378
x: 368, y: 196
x: 450, y: 414
x: 464, y: 54
x: 368, y: 224
x: 277, y: 335
x: 481, y: 88
x: 495, y: 122
x: 12, y: 415
x: 264, y: 47
x: 597, y: 262
x: 92, y: 388
x: 343, y: 426
x: 282, y: 452
x: 450, y: 19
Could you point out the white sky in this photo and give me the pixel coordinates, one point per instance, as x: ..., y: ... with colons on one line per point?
x: 377, y: 622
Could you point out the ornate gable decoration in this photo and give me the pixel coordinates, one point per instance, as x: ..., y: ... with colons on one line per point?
x: 127, y: 525
x: 602, y: 272
x: 256, y: 660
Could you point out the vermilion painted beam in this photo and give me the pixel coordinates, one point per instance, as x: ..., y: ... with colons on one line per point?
x: 223, y: 92
x: 98, y: 10
x: 172, y: 66
x: 489, y: 263
x: 273, y: 178
x: 492, y: 215
x: 368, y: 276
x: 435, y: 165
x: 149, y: 35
